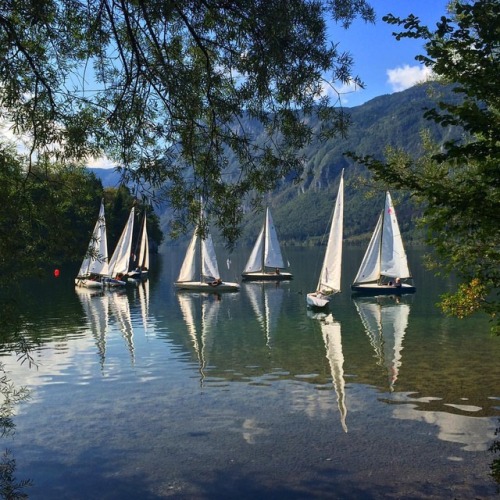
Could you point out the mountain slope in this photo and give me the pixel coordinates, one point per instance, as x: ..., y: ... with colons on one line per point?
x: 302, y: 209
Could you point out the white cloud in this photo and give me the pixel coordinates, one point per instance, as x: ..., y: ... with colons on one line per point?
x: 101, y: 162
x: 405, y: 77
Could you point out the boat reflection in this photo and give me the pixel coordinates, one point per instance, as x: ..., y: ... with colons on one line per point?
x: 105, y: 310
x: 141, y: 294
x: 120, y: 311
x: 332, y: 337
x: 95, y: 305
x: 385, y: 319
x: 200, y: 315
x: 266, y: 299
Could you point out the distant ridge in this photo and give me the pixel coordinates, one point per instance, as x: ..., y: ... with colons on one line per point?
x: 108, y: 176
x: 301, y: 210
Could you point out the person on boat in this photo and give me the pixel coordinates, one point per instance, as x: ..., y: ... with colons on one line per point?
x: 215, y: 282
x: 398, y: 283
x: 277, y: 270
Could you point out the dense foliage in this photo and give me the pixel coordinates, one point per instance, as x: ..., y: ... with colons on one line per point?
x: 43, y: 215
x: 160, y: 87
x: 459, y: 182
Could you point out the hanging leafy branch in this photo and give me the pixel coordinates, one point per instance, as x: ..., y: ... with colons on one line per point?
x: 161, y: 87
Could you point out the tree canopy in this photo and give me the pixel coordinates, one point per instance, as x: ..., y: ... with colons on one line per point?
x: 160, y: 88
x: 459, y: 183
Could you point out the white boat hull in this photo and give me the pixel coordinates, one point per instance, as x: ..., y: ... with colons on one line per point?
x: 382, y: 289
x: 315, y: 299
x: 263, y: 276
x: 87, y: 283
x: 206, y: 287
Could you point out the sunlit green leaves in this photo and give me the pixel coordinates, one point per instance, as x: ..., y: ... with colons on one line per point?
x: 459, y: 184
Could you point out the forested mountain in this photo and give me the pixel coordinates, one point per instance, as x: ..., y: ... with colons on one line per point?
x: 301, y: 209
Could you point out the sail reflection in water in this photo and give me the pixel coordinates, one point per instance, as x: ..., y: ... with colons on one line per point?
x: 108, y: 310
x: 200, y: 324
x: 385, y: 319
x: 332, y: 337
x: 120, y: 309
x: 266, y: 300
x: 96, y: 308
x: 142, y: 290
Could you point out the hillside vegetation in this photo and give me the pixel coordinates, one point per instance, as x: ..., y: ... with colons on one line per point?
x: 302, y: 207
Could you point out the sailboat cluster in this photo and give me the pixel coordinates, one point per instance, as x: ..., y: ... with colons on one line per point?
x: 126, y: 264
x: 384, y: 268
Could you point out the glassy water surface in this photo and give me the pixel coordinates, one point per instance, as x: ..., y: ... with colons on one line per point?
x: 152, y: 393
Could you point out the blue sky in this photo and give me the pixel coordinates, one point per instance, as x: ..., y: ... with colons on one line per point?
x: 384, y: 64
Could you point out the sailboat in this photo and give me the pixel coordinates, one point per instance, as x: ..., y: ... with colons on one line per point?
x: 265, y: 261
x: 385, y: 321
x: 200, y: 271
x: 119, y: 262
x: 140, y: 259
x: 95, y: 264
x: 384, y: 264
x: 329, y: 278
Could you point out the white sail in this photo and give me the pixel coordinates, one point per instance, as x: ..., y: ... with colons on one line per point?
x: 119, y: 262
x: 272, y: 251
x: 96, y: 259
x: 370, y: 265
x: 385, y: 255
x: 144, y: 262
x: 393, y: 262
x: 255, y: 260
x: 200, y: 270
x: 333, y: 343
x: 329, y: 279
x: 266, y: 251
x: 188, y: 269
x: 209, y: 267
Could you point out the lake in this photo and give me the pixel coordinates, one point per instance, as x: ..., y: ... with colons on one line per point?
x: 150, y: 393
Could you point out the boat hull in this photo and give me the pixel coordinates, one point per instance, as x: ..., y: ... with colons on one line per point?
x: 88, y: 283
x: 113, y: 282
x: 315, y: 300
x: 206, y: 287
x: 138, y: 275
x: 384, y: 289
x: 271, y: 276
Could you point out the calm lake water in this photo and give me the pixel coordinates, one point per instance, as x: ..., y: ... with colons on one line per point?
x: 151, y: 393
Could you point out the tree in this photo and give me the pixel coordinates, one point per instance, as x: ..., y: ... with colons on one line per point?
x: 459, y: 184
x: 118, y: 203
x: 160, y: 87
